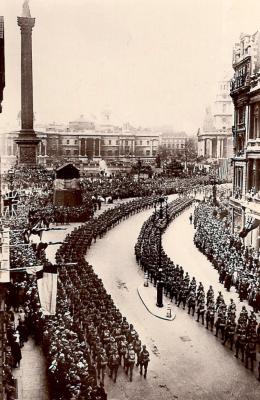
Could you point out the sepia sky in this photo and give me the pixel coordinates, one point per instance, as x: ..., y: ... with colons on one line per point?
x: 151, y: 62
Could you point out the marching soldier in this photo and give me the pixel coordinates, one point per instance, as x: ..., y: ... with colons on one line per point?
x: 210, y: 295
x: 102, y: 364
x: 137, y: 348
x: 113, y: 363
x: 210, y: 316
x: 240, y: 341
x: 144, y: 360
x: 191, y: 302
x: 130, y: 361
x: 201, y: 311
x: 230, y: 332
x: 250, y: 351
x: 220, y: 324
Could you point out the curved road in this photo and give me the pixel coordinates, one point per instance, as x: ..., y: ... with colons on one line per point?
x: 187, y: 361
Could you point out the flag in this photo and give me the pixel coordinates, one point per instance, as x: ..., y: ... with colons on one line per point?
x: 47, y: 288
x: 10, y: 201
x: 251, y: 224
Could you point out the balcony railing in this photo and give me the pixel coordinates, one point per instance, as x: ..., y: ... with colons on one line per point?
x: 239, y: 82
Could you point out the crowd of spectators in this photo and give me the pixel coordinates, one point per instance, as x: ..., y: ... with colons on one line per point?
x: 35, y: 190
x: 187, y: 292
x: 237, y: 264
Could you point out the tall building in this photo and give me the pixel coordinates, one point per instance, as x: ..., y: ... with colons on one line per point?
x: 245, y: 92
x: 215, y: 137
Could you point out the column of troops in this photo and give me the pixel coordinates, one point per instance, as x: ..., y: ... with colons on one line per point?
x: 243, y: 332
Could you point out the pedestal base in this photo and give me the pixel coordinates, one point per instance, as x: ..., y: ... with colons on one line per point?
x: 27, y: 150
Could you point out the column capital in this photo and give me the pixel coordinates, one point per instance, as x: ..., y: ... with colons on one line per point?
x: 26, y: 24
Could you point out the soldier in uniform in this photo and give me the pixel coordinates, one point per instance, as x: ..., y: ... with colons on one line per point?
x: 122, y: 350
x: 130, y: 361
x: 210, y: 316
x: 220, y: 323
x: 250, y: 350
x: 191, y: 302
x: 229, y: 332
x: 113, y: 363
x: 102, y: 364
x: 137, y: 348
x: 201, y: 311
x: 182, y: 296
x: 144, y: 360
x: 210, y: 295
x: 240, y: 340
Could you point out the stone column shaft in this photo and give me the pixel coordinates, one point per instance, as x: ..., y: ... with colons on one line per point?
x: 26, y: 25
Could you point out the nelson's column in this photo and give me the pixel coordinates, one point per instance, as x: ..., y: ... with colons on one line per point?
x: 27, y: 140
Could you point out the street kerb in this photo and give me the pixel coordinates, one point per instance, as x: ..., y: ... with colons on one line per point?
x: 148, y: 298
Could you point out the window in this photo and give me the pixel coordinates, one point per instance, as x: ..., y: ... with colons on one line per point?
x: 67, y: 152
x: 76, y: 142
x: 240, y: 115
x: 117, y: 142
x: 126, y: 142
x: 141, y: 142
x: 68, y: 142
x: 109, y: 142
x: 256, y: 122
x: 75, y: 152
x: 147, y: 142
x: 147, y: 152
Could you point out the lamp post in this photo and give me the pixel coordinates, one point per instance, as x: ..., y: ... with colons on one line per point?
x: 161, y: 220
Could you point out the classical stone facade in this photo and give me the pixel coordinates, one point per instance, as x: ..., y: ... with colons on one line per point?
x: 245, y: 92
x: 175, y: 141
x: 81, y: 146
x: 215, y: 137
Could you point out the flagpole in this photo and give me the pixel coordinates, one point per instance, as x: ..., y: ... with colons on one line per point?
x: 35, y: 266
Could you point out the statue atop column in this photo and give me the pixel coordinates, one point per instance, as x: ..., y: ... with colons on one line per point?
x: 26, y: 9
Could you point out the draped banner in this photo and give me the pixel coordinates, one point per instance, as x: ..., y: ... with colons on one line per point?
x: 47, y: 288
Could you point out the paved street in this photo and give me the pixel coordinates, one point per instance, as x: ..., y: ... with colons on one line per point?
x: 187, y: 362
